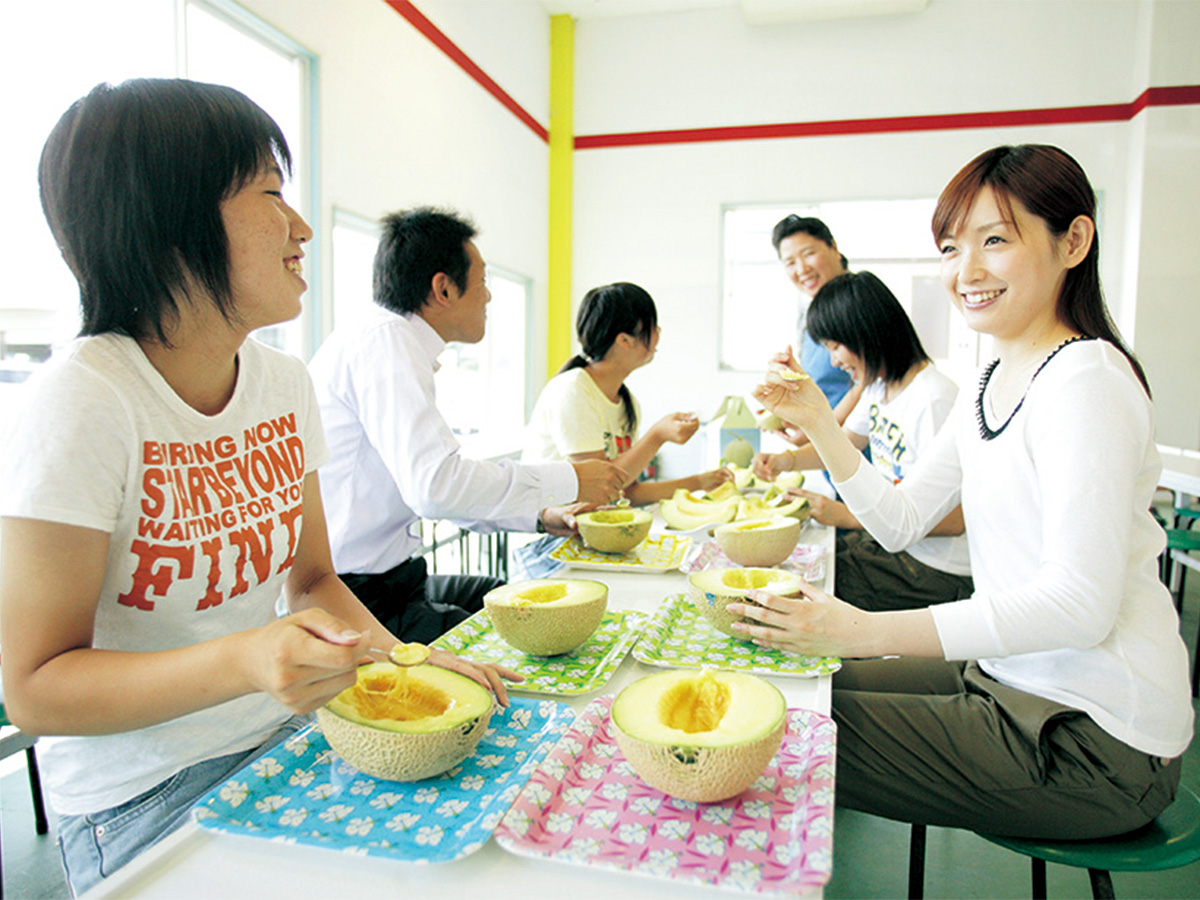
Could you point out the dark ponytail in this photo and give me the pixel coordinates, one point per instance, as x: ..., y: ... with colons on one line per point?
x: 606, y: 313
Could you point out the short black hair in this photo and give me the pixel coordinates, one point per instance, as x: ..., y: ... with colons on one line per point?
x: 793, y: 224
x: 858, y: 311
x: 811, y: 225
x: 132, y: 179
x: 416, y: 245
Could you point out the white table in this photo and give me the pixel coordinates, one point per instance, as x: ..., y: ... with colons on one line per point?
x: 194, y: 862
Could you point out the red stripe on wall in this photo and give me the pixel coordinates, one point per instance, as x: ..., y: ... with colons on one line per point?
x: 414, y: 17
x: 1063, y: 115
x: 1181, y: 95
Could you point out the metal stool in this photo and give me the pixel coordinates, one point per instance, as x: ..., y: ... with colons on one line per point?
x: 1170, y: 841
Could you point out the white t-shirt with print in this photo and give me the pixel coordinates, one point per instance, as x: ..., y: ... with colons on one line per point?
x: 897, y: 432
x: 572, y: 415
x: 204, y: 516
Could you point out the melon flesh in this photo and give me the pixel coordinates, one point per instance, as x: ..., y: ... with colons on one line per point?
x: 614, y: 530
x: 405, y: 724
x: 759, y: 542
x: 702, y: 736
x: 711, y: 590
x: 547, y: 617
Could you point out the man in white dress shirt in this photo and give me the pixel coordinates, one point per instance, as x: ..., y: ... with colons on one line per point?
x: 393, y: 458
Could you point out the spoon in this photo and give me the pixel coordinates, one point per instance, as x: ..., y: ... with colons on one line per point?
x: 403, y: 655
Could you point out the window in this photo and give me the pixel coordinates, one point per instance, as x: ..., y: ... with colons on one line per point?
x: 482, y: 388
x: 224, y: 44
x: 888, y: 237
x: 112, y: 42
x: 354, y: 241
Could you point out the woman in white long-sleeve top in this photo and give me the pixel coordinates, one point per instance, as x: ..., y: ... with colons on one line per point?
x: 1053, y: 702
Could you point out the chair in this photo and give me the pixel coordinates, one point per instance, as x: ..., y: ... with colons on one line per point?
x: 15, y: 743
x: 1170, y: 841
x: 1174, y: 563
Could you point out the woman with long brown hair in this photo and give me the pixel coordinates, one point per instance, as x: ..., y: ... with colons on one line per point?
x: 1054, y: 701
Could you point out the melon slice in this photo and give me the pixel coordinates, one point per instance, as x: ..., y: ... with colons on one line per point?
x: 699, y: 735
x: 759, y: 542
x: 405, y: 724
x: 546, y: 617
x: 711, y: 590
x: 614, y: 530
x: 685, y: 512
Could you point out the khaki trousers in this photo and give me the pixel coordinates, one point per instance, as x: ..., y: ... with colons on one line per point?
x: 940, y: 743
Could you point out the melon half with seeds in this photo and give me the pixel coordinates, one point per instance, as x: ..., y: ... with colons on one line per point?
x: 711, y: 590
x: 614, y: 530
x: 546, y: 617
x: 405, y: 724
x: 699, y: 735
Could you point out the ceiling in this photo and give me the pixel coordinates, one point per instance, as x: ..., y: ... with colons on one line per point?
x: 755, y: 12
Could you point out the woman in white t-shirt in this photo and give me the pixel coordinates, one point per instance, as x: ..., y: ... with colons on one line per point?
x: 1054, y: 702
x: 903, y: 404
x: 160, y: 485
x: 586, y: 411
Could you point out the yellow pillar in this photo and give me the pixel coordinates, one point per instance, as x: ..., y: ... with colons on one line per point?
x: 562, y: 146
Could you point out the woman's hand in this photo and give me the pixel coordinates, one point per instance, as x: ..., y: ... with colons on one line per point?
x: 769, y: 466
x: 302, y: 660
x: 827, y: 512
x: 490, y: 675
x: 791, y: 394
x: 815, y: 624
x: 709, y: 481
x: 677, y: 428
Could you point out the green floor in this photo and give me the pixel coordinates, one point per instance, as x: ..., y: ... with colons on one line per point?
x: 870, y: 854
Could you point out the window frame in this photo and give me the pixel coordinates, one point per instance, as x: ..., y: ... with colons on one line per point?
x: 308, y: 181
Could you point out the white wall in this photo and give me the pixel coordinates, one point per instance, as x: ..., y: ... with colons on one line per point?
x: 402, y: 125
x: 1167, y: 335
x: 651, y: 214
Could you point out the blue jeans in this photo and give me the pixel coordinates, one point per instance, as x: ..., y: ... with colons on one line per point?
x: 95, y: 845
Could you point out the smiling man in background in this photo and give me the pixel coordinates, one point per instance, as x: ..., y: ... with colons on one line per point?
x: 393, y: 458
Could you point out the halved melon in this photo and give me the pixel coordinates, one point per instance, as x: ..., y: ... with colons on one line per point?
x: 614, y: 530
x: 759, y: 542
x: 405, y: 724
x: 711, y: 590
x: 699, y: 735
x: 546, y: 617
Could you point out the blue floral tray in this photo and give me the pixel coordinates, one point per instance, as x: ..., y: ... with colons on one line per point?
x: 302, y: 792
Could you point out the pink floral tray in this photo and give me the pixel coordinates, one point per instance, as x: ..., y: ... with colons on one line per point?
x: 807, y: 560
x: 585, y: 805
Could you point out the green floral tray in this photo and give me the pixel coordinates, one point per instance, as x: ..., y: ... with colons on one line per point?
x: 677, y: 636
x: 587, y: 668
x: 657, y: 553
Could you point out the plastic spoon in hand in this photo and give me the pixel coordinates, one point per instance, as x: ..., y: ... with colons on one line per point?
x: 403, y: 655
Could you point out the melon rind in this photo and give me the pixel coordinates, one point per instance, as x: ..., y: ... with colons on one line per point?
x: 760, y: 544
x: 411, y: 755
x: 547, y: 629
x: 710, y: 598
x: 613, y: 536
x: 697, y: 767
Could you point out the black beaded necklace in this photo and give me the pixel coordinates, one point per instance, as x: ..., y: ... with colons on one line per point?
x: 985, y: 431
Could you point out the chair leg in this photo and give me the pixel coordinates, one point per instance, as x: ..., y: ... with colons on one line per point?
x: 1038, y: 869
x: 1102, y: 887
x: 916, y: 863
x: 35, y: 790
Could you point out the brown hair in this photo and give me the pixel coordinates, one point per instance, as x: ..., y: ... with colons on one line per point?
x: 1051, y: 185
